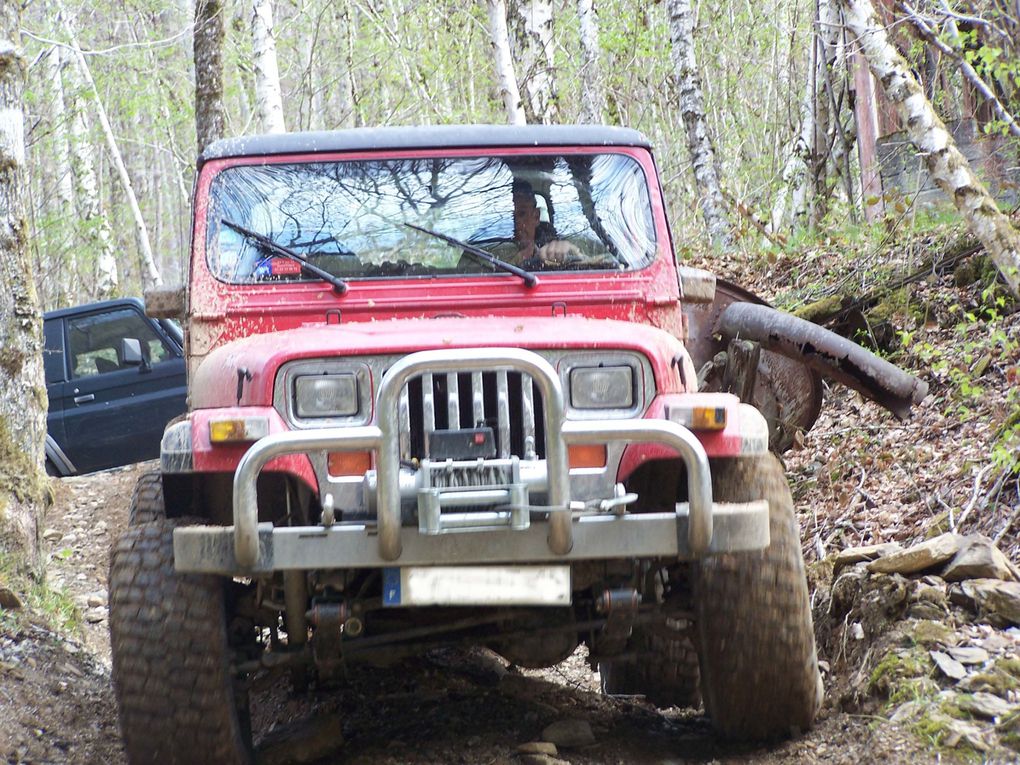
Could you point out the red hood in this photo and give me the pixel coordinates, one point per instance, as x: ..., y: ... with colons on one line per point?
x: 215, y: 382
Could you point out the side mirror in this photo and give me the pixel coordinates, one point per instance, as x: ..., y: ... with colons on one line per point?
x: 165, y: 303
x: 131, y: 354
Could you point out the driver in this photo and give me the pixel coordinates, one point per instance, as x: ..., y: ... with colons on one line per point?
x: 537, y: 242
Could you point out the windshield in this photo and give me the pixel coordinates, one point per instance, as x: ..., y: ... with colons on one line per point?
x: 546, y: 212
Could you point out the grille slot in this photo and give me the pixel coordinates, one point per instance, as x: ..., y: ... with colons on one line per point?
x: 507, y: 402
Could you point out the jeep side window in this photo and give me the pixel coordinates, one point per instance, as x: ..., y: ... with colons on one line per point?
x: 94, y: 341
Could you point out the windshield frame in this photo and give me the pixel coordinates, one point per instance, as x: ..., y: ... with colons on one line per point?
x: 658, y: 228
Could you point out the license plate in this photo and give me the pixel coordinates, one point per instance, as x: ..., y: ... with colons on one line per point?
x: 477, y: 586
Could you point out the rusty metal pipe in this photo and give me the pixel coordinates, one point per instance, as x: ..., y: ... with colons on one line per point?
x: 826, y: 352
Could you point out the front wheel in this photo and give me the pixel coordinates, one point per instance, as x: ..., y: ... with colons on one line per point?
x: 759, y: 667
x: 177, y: 696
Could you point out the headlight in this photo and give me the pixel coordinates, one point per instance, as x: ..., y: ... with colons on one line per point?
x: 602, y: 387
x: 329, y: 395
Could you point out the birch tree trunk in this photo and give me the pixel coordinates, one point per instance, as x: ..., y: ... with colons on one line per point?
x: 593, y: 95
x: 692, y: 111
x: 505, y: 74
x: 268, y: 98
x: 533, y: 22
x: 150, y: 272
x: 946, y: 165
x: 22, y: 386
x: 818, y: 150
x: 96, y: 225
x: 210, y: 117
x: 68, y: 271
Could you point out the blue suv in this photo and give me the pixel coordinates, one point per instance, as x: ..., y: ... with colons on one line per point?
x: 114, y: 378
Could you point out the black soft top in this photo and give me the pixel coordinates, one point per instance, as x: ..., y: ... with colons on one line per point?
x: 425, y: 137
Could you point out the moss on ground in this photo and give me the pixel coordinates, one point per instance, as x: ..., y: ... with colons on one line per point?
x: 896, y: 667
x: 928, y: 633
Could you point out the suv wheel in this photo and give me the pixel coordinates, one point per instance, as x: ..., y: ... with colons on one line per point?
x: 147, y: 499
x: 178, y: 699
x: 759, y: 668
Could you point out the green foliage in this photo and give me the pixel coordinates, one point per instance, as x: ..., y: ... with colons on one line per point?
x: 55, y: 607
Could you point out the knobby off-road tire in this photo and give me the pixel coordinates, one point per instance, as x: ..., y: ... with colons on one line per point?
x: 171, y: 658
x: 147, y: 499
x: 759, y: 668
x: 665, y: 672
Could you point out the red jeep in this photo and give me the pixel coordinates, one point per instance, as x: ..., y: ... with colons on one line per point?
x: 439, y: 390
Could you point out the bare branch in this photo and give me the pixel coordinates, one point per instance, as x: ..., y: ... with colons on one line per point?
x: 968, y: 71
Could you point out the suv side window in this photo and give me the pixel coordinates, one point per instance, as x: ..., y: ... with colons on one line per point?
x: 94, y: 341
x: 53, y: 355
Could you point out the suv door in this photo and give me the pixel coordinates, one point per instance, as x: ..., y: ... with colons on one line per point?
x: 113, y: 413
x: 55, y: 368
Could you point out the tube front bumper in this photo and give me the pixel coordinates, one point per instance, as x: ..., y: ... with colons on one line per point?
x: 697, y: 528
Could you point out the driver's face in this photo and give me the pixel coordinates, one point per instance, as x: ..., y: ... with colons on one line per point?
x: 526, y: 216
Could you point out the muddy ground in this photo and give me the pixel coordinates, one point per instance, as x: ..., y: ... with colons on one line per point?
x: 57, y: 703
x: 860, y: 477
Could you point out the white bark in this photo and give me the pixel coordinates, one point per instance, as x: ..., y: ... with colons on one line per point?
x: 946, y: 165
x: 62, y: 163
x: 593, y: 95
x: 505, y: 74
x: 150, y: 271
x: 90, y: 204
x: 692, y: 111
x: 534, y: 22
x: 58, y: 118
x: 268, y: 98
x: 810, y: 160
x: 352, y: 96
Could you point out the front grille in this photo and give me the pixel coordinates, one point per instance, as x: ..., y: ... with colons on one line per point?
x: 508, y: 402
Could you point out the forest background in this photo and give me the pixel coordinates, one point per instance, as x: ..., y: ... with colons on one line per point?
x: 112, y: 84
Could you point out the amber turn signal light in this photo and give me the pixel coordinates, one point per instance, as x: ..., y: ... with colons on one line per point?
x: 349, y: 463
x: 587, y: 455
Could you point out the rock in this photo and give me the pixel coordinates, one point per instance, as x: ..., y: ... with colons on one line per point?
x: 984, y: 705
x: 306, y: 740
x: 958, y: 731
x: 978, y: 558
x: 968, y: 654
x: 920, y: 557
x: 541, y: 759
x: 569, y: 734
x: 538, y: 747
x: 992, y: 680
x: 906, y: 711
x: 930, y: 632
x: 51, y: 535
x: 866, y: 553
x: 857, y: 631
x: 100, y: 528
x: 993, y: 598
x: 925, y: 610
x: 96, y: 615
x: 950, y: 667
x: 97, y: 598
x: 9, y: 599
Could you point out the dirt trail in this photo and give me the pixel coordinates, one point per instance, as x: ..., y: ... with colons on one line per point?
x: 454, y: 707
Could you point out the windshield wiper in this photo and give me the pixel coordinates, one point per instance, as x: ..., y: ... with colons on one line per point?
x: 530, y: 280
x: 339, y: 285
